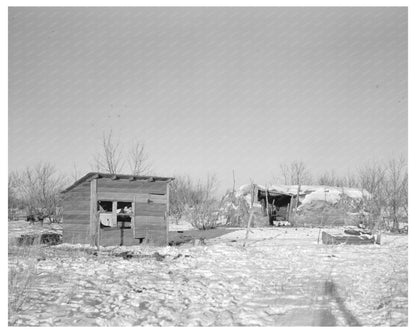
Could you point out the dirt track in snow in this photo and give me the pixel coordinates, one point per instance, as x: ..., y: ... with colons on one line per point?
x: 281, y: 278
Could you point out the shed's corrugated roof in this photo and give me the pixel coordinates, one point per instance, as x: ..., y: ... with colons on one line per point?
x: 119, y: 176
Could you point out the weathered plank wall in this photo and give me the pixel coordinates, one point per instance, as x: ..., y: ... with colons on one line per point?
x: 150, y: 201
x: 115, y: 237
x: 76, y: 214
x: 106, y: 185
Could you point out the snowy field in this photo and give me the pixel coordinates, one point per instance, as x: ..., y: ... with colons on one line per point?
x: 283, y: 277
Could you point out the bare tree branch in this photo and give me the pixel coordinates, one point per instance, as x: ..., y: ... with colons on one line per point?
x: 396, y: 189
x: 138, y: 160
x: 39, y: 190
x: 296, y: 173
x: 109, y: 160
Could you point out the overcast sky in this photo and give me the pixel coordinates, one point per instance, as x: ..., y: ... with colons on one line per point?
x: 209, y: 90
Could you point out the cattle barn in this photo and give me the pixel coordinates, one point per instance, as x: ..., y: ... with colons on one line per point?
x: 113, y: 209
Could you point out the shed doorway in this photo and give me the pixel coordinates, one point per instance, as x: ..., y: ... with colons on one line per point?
x: 277, y: 206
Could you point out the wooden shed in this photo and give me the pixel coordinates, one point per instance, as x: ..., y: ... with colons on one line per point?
x: 113, y: 209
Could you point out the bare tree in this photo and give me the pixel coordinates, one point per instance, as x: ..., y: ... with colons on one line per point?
x: 182, y: 193
x: 350, y: 180
x: 138, y: 160
x: 371, y: 177
x: 296, y: 173
x: 194, y: 199
x: 12, y: 184
x: 109, y: 160
x: 405, y: 193
x: 396, y: 189
x: 203, y: 209
x: 331, y: 179
x: 75, y: 173
x: 13, y: 200
x: 300, y: 175
x: 286, y: 174
x: 39, y: 189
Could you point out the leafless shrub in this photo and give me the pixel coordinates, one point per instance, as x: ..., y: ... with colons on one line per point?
x: 180, y: 190
x: 22, y: 277
x: 203, y: 215
x: 39, y: 188
x: 195, y: 200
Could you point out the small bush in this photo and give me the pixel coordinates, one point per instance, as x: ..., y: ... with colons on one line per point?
x: 22, y: 277
x: 195, y: 201
x: 203, y: 215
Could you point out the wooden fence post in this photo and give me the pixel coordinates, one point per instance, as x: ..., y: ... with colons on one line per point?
x: 251, y: 215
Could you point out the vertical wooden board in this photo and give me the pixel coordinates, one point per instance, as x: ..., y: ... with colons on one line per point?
x: 116, y: 237
x: 145, y: 225
x: 76, y: 206
x: 153, y: 209
x: 167, y: 212
x: 114, y: 211
x: 150, y: 217
x: 133, y: 220
x: 93, y: 210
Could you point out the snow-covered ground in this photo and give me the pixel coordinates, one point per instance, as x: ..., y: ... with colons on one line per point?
x: 283, y: 277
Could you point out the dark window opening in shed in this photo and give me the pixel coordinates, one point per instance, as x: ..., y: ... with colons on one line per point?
x: 124, y: 213
x: 123, y: 222
x: 105, y: 206
x: 115, y: 214
x: 124, y: 207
